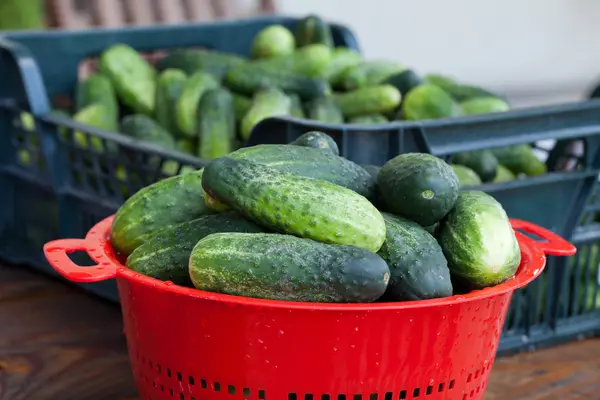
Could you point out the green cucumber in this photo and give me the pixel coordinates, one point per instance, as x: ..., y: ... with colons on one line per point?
x: 325, y: 109
x: 165, y: 203
x: 96, y: 115
x: 134, y: 79
x: 284, y: 267
x: 504, y: 174
x: 369, y: 100
x: 520, y: 159
x: 97, y: 88
x: 312, y: 29
x: 310, y: 61
x: 484, y: 105
x: 267, y: 103
x: 317, y: 140
x: 273, y: 41
x: 483, y: 162
x: 418, y: 267
x: 458, y: 91
x: 479, y: 242
x: 166, y: 255
x: 368, y: 119
x: 295, y: 204
x: 369, y: 73
x: 216, y: 124
x: 250, y: 78
x: 186, y: 145
x: 466, y: 176
x: 419, y: 187
x: 169, y: 87
x: 342, y: 58
x: 142, y: 127
x: 429, y: 102
x: 404, y: 81
x: 191, y: 61
x: 241, y: 105
x: 187, y: 104
x: 296, y: 109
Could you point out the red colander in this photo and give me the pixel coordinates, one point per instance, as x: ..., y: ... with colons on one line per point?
x: 189, y: 344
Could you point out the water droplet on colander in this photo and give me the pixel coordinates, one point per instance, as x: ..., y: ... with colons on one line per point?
x: 439, y: 333
x: 410, y: 320
x: 335, y: 349
x: 356, y: 329
x: 267, y: 362
x: 248, y: 356
x: 169, y: 283
x: 281, y: 332
x: 260, y: 341
x: 352, y: 346
x: 377, y: 363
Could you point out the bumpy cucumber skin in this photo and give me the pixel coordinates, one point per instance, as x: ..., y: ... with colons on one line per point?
x: 369, y: 73
x: 325, y: 109
x: 368, y: 119
x: 166, y: 255
x: 188, y: 101
x: 312, y: 29
x: 294, y: 204
x: 165, y: 203
x: 369, y: 100
x: 266, y: 103
x: 418, y: 268
x: 312, y: 163
x: 168, y: 89
x: 248, y: 79
x: 142, y: 127
x: 479, y: 242
x: 216, y: 124
x: 284, y: 267
x: 273, y: 41
x: 419, y: 187
x: 133, y: 78
x: 483, y: 162
x: 466, y: 176
x: 317, y: 140
x: 429, y: 102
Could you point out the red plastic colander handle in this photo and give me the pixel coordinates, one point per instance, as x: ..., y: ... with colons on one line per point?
x: 552, y: 245
x: 57, y: 255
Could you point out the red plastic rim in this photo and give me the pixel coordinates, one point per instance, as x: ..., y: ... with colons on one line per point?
x: 533, y: 261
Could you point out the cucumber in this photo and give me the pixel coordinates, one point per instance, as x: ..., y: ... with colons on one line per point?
x: 295, y: 204
x: 342, y: 58
x: 459, y: 92
x: 187, y: 104
x: 479, y: 242
x: 96, y: 115
x: 296, y: 109
x: 483, y: 162
x: 284, y: 267
x: 404, y: 81
x: 186, y: 145
x: 504, y: 174
x: 466, y: 176
x: 368, y: 119
x: 166, y: 255
x: 191, y: 61
x: 369, y: 100
x: 310, y: 61
x: 160, y: 205
x: 241, y: 105
x: 520, y: 159
x: 484, y: 105
x: 418, y: 186
x: 429, y: 102
x: 142, y: 127
x: 418, y: 267
x: 325, y: 109
x: 216, y: 123
x: 317, y: 140
x: 169, y: 87
x: 312, y: 29
x: 369, y: 73
x: 273, y: 41
x: 267, y: 103
x: 250, y: 78
x: 133, y: 78
x: 97, y: 88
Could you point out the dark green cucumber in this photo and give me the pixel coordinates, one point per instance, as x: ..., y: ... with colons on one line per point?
x: 216, y: 124
x: 418, y: 268
x: 97, y: 88
x: 317, y: 140
x: 312, y: 29
x: 241, y: 105
x: 273, y: 41
x: 466, y: 176
x: 169, y: 87
x: 296, y: 109
x: 429, y: 102
x: 369, y: 100
x: 520, y: 159
x: 368, y: 119
x: 165, y: 203
x: 369, y: 73
x: 419, y: 187
x: 249, y: 78
x: 142, y: 127
x: 404, y: 81
x: 294, y: 204
x: 325, y: 109
x: 270, y: 102
x: 187, y: 104
x: 166, y: 255
x: 191, y: 61
x: 134, y: 79
x: 284, y: 267
x: 483, y: 162
x: 312, y: 163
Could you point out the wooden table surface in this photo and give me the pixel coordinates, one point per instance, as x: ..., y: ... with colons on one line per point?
x: 59, y: 343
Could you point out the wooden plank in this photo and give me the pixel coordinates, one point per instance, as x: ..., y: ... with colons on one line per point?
x: 139, y: 12
x: 169, y: 11
x: 108, y: 13
x: 65, y: 15
x: 199, y: 10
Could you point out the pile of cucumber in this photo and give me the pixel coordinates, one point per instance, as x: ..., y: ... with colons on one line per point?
x: 298, y: 222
